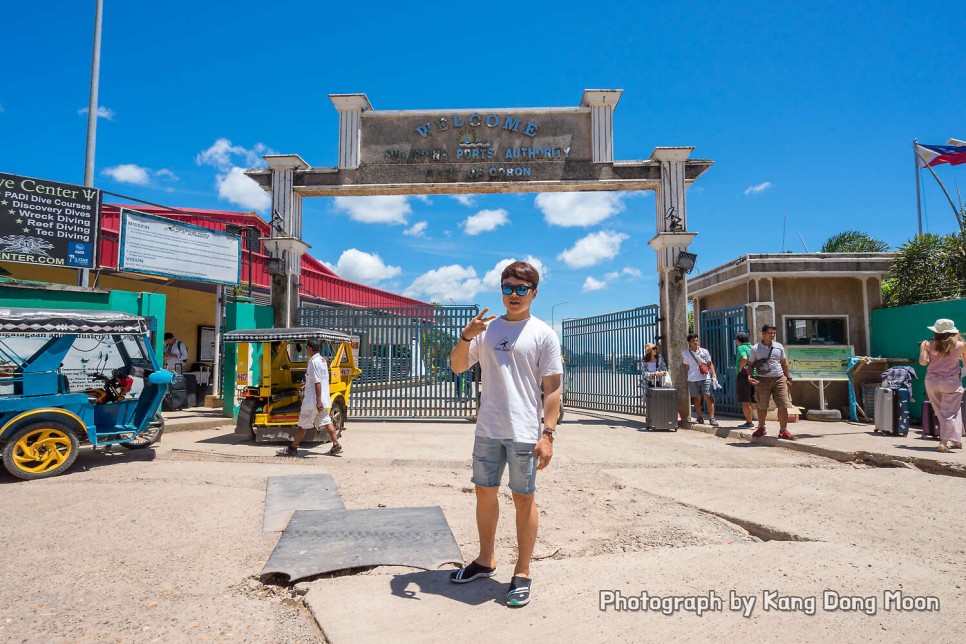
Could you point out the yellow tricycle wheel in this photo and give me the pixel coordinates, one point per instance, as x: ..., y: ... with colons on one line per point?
x: 40, y: 450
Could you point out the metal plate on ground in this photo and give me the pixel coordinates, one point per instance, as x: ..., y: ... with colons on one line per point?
x: 286, y: 494
x: 321, y: 541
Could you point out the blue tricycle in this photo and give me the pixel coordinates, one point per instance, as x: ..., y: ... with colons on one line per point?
x: 68, y: 377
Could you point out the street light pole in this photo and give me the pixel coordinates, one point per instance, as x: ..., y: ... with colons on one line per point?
x: 553, y: 308
x: 83, y: 278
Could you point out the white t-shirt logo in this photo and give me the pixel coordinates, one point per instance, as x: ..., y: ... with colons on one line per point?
x: 504, y: 345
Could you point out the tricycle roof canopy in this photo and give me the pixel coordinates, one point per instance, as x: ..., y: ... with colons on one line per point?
x: 31, y: 321
x: 286, y: 335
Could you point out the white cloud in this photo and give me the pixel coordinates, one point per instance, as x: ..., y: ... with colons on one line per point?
x: 447, y: 282
x: 466, y: 200
x: 491, y: 281
x: 485, y: 221
x: 610, y: 277
x: 128, y: 173
x: 238, y: 189
x: 102, y: 112
x: 164, y: 173
x: 593, y: 248
x: 233, y: 185
x: 375, y: 210
x: 632, y: 272
x: 137, y: 175
x: 417, y: 230
x: 590, y: 284
x: 367, y: 268
x: 579, y: 208
x: 761, y: 187
x: 222, y: 155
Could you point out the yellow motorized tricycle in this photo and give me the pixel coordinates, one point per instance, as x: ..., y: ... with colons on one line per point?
x: 271, y: 374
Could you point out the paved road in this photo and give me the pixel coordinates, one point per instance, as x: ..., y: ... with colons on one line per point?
x: 164, y: 545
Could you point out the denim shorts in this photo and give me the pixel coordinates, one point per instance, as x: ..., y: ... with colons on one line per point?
x: 490, y: 457
x: 699, y: 387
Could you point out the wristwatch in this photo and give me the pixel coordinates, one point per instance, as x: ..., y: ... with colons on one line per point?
x: 549, y: 432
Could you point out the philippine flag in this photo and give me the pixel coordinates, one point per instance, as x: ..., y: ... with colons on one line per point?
x: 940, y: 154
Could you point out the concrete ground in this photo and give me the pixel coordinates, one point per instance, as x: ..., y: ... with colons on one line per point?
x: 166, y: 544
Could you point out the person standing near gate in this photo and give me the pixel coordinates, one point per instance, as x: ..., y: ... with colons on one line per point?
x: 771, y: 380
x: 316, y: 402
x: 944, y: 380
x: 744, y: 390
x: 519, y: 357
x: 702, y: 377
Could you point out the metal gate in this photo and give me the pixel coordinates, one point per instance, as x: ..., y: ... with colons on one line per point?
x: 602, y: 359
x: 404, y: 358
x: 718, y: 330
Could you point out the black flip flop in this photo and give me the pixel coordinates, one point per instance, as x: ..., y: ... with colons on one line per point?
x: 519, y: 593
x: 471, y: 572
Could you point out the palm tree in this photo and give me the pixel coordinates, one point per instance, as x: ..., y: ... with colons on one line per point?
x: 853, y: 241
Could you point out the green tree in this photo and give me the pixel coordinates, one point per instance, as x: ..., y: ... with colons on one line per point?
x: 927, y: 268
x: 853, y: 241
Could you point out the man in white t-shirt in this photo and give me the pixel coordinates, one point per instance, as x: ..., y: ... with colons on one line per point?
x: 316, y: 402
x: 175, y: 353
x: 702, y: 378
x: 519, y: 357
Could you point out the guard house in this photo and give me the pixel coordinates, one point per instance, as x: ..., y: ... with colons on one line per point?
x: 819, y: 302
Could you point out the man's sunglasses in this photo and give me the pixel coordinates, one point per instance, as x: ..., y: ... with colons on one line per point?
x: 519, y: 289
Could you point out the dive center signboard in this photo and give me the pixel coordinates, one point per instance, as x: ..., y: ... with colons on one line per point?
x: 48, y: 223
x: 158, y: 246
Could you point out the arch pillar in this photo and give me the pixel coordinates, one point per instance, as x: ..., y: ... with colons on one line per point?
x: 671, y: 240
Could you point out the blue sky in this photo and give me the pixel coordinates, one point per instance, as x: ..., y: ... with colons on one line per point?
x: 807, y: 109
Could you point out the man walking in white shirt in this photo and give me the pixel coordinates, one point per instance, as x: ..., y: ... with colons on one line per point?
x: 316, y: 402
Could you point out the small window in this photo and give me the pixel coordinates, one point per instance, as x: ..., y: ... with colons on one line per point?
x: 815, y: 331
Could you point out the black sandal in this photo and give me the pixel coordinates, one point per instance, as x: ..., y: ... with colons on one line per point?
x: 519, y: 593
x: 471, y: 572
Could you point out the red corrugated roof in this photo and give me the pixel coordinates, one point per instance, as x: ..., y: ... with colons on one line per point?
x: 318, y: 282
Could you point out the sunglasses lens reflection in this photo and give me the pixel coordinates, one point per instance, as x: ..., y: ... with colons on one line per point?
x: 521, y: 289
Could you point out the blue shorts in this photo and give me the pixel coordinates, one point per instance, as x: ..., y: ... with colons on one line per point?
x: 490, y: 457
x: 699, y: 388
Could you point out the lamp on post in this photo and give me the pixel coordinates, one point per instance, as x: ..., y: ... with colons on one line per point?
x: 277, y: 246
x: 685, y: 261
x: 553, y: 308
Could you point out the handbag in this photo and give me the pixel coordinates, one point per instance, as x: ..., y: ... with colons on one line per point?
x: 762, y: 366
x: 702, y: 367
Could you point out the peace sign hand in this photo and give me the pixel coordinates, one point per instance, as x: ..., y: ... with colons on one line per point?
x: 477, y: 325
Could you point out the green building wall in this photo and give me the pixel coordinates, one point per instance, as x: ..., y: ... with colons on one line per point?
x: 897, y: 332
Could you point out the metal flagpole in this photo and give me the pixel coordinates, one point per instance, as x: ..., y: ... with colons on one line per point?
x: 83, y: 278
x: 915, y: 156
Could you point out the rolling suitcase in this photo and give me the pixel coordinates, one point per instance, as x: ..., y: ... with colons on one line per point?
x: 883, y: 410
x: 662, y: 409
x: 930, y: 423
x: 900, y: 411
x: 177, y: 395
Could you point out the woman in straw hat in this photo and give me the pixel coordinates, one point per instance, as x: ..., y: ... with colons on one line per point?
x: 944, y: 385
x: 653, y: 367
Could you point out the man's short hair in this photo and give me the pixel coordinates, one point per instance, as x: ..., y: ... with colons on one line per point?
x: 314, y: 343
x: 522, y: 271
x: 768, y: 327
x: 742, y: 337
x: 692, y: 336
x: 168, y: 336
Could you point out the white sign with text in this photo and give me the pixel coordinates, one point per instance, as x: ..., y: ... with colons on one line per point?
x: 158, y: 246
